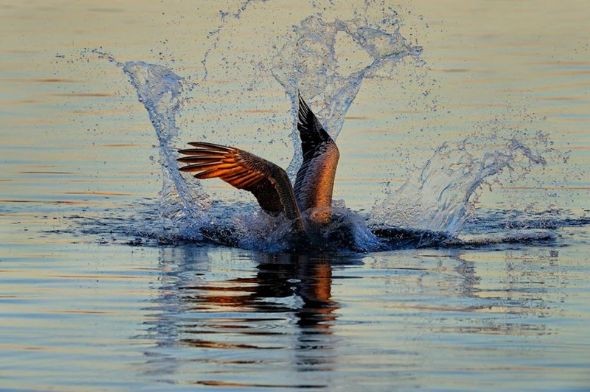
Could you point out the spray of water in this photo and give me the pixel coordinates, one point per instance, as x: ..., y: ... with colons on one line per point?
x: 183, y: 204
x: 440, y: 195
x: 308, y: 62
x: 437, y: 198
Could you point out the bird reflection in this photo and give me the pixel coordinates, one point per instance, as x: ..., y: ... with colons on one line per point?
x: 308, y: 280
x: 281, y: 302
x: 292, y: 284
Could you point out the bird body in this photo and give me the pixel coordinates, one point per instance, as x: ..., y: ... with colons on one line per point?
x: 308, y: 204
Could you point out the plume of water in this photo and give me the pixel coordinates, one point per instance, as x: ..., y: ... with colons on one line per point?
x: 437, y: 198
x: 182, y: 206
x: 440, y: 195
x: 308, y: 62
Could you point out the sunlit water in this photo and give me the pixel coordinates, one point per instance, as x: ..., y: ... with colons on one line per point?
x: 462, y: 192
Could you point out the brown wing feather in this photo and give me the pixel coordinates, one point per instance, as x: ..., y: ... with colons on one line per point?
x: 315, y: 178
x: 265, y: 180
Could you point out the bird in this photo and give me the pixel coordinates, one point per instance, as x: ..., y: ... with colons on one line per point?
x: 307, y: 203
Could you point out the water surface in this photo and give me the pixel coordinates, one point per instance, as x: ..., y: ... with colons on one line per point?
x: 473, y: 122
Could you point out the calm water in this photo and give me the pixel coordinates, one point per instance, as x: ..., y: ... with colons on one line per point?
x: 96, y: 295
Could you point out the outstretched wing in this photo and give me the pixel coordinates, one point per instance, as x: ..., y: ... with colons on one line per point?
x: 315, y: 178
x: 267, y: 181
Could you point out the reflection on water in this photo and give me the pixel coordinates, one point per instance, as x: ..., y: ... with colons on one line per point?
x: 282, y: 303
x: 236, y: 318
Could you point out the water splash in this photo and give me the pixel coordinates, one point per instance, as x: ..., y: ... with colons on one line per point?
x: 430, y: 209
x: 182, y: 206
x: 309, y: 62
x: 440, y: 196
x: 215, y: 35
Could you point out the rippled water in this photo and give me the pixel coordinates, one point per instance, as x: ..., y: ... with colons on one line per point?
x: 464, y: 126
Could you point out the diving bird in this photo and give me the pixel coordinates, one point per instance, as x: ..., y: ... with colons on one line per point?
x: 308, y: 203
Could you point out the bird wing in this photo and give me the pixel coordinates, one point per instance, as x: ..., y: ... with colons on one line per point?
x: 268, y: 182
x: 315, y: 179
